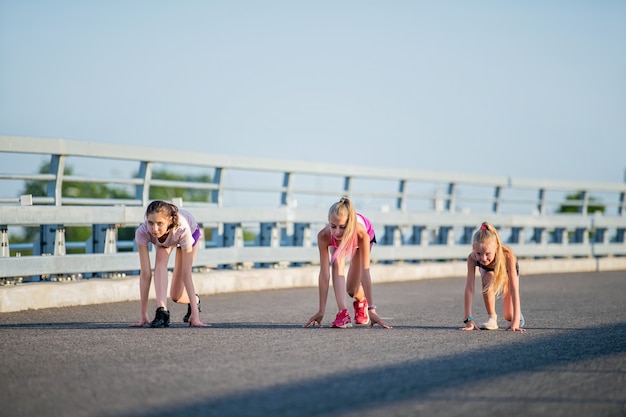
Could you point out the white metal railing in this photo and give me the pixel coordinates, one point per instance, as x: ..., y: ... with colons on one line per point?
x: 418, y: 215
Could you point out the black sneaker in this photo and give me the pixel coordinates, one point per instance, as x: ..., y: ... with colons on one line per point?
x: 186, y: 318
x: 161, y: 318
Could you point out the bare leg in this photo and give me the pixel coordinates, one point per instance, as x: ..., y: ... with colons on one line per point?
x: 160, y: 276
x: 177, y: 289
x: 489, y: 298
x: 354, y: 285
x: 508, y: 306
x: 185, y: 260
x: 339, y: 284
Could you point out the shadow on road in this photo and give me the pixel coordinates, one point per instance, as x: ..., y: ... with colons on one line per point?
x: 410, y: 381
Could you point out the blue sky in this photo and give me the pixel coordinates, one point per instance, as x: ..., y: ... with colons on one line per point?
x: 532, y: 89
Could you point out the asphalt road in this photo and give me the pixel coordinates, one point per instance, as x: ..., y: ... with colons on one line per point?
x: 257, y: 360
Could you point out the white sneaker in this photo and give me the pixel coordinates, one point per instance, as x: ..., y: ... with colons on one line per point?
x: 491, y: 324
x: 521, y: 320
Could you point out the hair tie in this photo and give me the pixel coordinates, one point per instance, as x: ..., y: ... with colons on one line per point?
x: 483, y: 227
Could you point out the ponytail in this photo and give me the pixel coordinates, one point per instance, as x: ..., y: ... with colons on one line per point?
x: 349, y: 242
x: 500, y: 282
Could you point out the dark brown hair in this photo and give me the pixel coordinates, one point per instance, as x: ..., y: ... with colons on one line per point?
x: 166, y: 209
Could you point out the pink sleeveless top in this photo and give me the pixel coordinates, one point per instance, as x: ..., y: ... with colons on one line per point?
x: 365, y: 222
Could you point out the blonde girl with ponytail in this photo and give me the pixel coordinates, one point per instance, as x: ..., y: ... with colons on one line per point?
x: 348, y: 236
x: 499, y: 271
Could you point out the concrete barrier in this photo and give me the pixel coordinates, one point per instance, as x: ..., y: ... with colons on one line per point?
x: 39, y: 295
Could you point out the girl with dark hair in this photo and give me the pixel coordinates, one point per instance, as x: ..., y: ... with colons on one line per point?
x: 168, y: 228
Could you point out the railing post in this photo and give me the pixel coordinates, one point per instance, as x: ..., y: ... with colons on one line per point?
x: 103, y: 238
x: 517, y: 235
x: 216, y: 195
x: 468, y: 234
x: 584, y: 202
x: 539, y: 235
x: 541, y: 201
x: 419, y: 236
x: 560, y: 235
x: 401, y: 200
x: 59, y: 241
x: 4, y: 241
x: 202, y: 239
x: 285, y: 195
x: 55, y: 188
x: 269, y: 235
x: 451, y: 200
x: 142, y: 191
x: 302, y: 235
x: 497, y: 199
x: 347, y: 186
x: 445, y: 235
x: 233, y: 235
x: 392, y: 236
x: 45, y: 240
x: 581, y: 235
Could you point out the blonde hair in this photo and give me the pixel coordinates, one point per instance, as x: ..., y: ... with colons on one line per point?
x: 500, y: 282
x: 349, y: 242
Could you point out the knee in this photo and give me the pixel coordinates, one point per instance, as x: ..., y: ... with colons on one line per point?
x: 352, y: 291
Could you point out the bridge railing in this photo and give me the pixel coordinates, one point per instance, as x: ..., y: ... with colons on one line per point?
x: 418, y: 215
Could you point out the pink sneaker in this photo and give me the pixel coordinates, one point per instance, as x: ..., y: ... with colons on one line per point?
x: 342, y: 320
x: 361, y: 315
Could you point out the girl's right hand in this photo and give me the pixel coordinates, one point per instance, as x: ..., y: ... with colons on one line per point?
x: 470, y: 325
x: 316, y: 320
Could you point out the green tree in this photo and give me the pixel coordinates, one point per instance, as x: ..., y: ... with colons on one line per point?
x: 38, y: 188
x: 187, y: 194
x: 592, y: 206
x: 70, y: 189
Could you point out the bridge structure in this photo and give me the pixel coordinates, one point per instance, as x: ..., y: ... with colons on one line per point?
x: 262, y: 215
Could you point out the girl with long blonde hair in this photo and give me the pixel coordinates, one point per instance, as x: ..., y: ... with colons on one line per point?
x: 499, y: 271
x: 347, y: 236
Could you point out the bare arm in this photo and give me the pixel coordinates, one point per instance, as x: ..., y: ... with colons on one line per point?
x: 323, y: 241
x: 145, y: 279
x: 366, y: 277
x: 469, y: 293
x: 511, y: 265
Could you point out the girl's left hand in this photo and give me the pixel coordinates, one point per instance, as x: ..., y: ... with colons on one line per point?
x: 374, y: 319
x: 144, y: 321
x: 197, y: 323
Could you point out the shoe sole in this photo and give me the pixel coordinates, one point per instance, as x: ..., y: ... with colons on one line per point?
x: 488, y: 328
x: 345, y: 326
